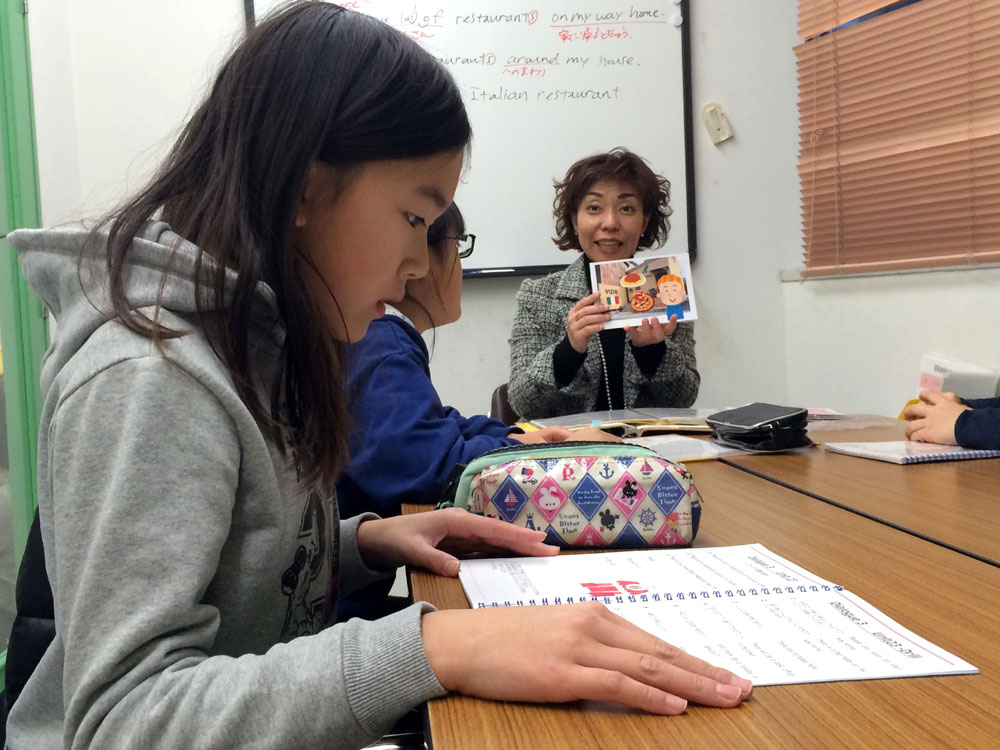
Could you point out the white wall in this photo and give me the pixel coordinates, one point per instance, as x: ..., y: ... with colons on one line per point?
x: 854, y: 344
x: 55, y: 131
x: 113, y: 81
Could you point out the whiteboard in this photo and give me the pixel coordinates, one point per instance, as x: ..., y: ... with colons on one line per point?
x: 546, y: 84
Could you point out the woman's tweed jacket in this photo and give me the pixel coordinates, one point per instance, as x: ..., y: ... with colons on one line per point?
x: 540, y: 324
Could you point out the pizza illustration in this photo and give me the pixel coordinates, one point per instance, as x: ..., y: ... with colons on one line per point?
x: 641, y: 302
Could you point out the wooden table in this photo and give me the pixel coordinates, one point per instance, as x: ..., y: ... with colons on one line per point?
x: 946, y: 597
x: 952, y: 503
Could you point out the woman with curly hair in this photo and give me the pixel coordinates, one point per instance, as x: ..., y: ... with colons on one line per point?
x: 607, y: 208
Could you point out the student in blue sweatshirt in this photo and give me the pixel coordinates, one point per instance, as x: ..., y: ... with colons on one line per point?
x: 947, y: 418
x: 406, y: 442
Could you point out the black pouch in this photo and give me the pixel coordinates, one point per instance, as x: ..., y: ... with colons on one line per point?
x: 761, y: 428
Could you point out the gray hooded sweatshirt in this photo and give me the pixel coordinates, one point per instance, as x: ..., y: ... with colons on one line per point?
x: 191, y: 571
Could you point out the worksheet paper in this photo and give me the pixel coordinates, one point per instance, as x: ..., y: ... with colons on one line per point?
x: 743, y: 608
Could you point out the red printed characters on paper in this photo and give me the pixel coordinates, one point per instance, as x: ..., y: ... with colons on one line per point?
x: 630, y: 588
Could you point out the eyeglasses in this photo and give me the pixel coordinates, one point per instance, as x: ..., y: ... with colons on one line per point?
x: 466, y: 244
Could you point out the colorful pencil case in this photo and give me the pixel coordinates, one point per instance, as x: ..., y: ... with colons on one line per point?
x: 582, y: 494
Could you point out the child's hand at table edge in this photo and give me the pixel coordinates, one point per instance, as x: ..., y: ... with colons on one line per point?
x: 594, y: 434
x: 544, y: 435
x: 433, y: 539
x: 577, y: 652
x: 559, y: 434
x: 932, y: 419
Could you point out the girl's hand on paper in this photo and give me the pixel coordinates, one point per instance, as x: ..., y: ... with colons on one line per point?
x: 571, y: 652
x: 651, y: 331
x: 585, y: 318
x: 932, y: 419
x: 433, y: 539
x: 544, y: 435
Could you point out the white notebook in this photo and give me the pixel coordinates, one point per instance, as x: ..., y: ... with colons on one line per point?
x: 743, y: 608
x: 909, y: 451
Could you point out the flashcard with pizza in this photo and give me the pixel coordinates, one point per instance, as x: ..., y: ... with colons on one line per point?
x: 638, y: 288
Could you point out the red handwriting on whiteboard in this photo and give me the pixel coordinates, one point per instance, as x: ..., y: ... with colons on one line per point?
x: 592, y: 33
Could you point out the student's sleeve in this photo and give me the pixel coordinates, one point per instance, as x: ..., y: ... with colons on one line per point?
x: 982, y: 403
x: 539, y: 326
x: 675, y: 381
x: 403, y: 425
x: 979, y: 427
x: 478, y: 425
x: 143, y: 505
x: 354, y: 572
x: 566, y: 362
x: 649, y: 357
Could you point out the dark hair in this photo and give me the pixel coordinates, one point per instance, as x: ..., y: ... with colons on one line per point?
x: 618, y: 165
x: 312, y: 82
x: 448, y: 224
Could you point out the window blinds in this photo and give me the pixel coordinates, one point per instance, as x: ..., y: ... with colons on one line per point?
x: 899, y: 158
x: 818, y: 16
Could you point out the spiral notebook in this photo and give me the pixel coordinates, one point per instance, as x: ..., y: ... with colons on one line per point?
x: 743, y: 608
x: 909, y: 452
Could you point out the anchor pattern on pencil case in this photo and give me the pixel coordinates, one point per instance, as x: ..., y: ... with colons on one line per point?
x: 602, y: 501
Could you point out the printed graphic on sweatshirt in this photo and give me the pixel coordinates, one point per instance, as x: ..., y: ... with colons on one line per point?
x: 306, y: 581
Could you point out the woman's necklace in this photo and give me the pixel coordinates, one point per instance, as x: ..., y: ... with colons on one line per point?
x: 607, y: 380
x: 604, y: 362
